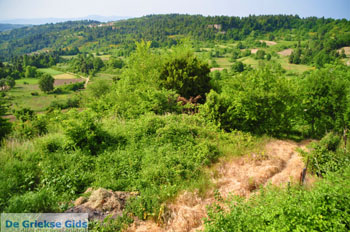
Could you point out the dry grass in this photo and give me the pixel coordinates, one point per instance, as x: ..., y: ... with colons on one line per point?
x: 254, y: 50
x: 286, y: 52
x: 268, y: 43
x: 64, y: 76
x: 216, y: 69
x: 59, y: 82
x: 278, y: 163
x: 346, y: 49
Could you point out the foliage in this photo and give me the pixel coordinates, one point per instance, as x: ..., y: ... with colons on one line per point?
x: 258, y: 101
x: 327, y: 156
x: 29, y: 124
x: 323, y: 208
x: 185, y: 74
x: 84, y: 132
x: 46, y: 83
x: 324, y: 95
x: 43, y: 201
x: 87, y: 64
x: 5, y: 126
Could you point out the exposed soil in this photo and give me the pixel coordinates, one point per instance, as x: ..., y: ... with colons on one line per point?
x: 278, y: 164
x: 216, y: 69
x: 254, y: 50
x: 286, y: 52
x: 59, y: 82
x: 346, y: 49
x: 268, y: 43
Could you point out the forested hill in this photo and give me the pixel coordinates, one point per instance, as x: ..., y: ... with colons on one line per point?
x: 163, y: 30
x: 7, y: 27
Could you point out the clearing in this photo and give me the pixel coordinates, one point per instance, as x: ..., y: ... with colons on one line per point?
x: 346, y: 49
x: 59, y: 82
x: 268, y: 43
x: 278, y: 164
x: 286, y: 52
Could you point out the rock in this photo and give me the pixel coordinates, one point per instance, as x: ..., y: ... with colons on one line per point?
x: 101, y: 203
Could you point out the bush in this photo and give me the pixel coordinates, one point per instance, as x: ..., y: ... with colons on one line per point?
x: 324, y: 208
x: 326, y: 155
x: 187, y: 75
x: 43, y: 201
x: 46, y: 83
x: 258, y: 101
x: 30, y: 125
x: 84, y: 132
x: 5, y: 126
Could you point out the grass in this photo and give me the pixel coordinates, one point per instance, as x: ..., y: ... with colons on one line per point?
x: 297, y: 68
x: 68, y: 57
x: 104, y: 57
x: 223, y: 62
x: 103, y: 76
x: 31, y: 81
x: 50, y: 71
x: 21, y: 96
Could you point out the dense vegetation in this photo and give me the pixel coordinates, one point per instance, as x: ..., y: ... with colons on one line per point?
x: 324, y: 208
x: 138, y: 127
x: 164, y: 30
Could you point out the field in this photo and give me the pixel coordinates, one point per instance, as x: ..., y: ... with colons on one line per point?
x: 21, y: 95
x: 50, y: 71
x: 282, y: 48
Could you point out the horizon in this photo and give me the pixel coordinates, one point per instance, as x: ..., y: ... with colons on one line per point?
x: 41, y: 9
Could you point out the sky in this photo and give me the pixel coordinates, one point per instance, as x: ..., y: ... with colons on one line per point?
x: 13, y: 9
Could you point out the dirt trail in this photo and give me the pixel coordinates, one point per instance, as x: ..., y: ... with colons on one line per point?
x: 278, y: 164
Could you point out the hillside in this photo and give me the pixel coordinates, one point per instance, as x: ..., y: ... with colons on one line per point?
x: 164, y: 30
x: 7, y: 27
x: 179, y: 122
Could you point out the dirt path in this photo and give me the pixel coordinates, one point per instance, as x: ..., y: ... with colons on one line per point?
x: 278, y: 164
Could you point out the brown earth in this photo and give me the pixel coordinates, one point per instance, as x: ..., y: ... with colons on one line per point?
x: 216, y: 69
x: 278, y: 164
x: 346, y: 49
x: 286, y: 52
x: 254, y: 50
x: 59, y: 82
x: 268, y: 43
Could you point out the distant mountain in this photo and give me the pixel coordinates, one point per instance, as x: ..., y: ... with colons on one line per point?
x: 38, y: 21
x: 7, y: 27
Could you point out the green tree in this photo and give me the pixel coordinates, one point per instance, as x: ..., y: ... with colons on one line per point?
x: 260, y: 101
x: 187, y: 75
x: 325, y: 99
x: 30, y: 72
x: 46, y: 83
x: 10, y: 82
x: 238, y: 67
x: 260, y: 54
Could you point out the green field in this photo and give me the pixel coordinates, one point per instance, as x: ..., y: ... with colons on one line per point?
x: 21, y: 96
x: 50, y: 71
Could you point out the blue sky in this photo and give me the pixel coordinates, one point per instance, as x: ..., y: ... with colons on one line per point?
x: 10, y: 9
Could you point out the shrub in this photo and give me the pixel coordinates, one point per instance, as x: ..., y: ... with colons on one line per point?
x: 326, y: 156
x: 43, y: 201
x: 258, y: 101
x: 84, y: 131
x: 46, y: 83
x: 323, y: 208
x: 187, y: 75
